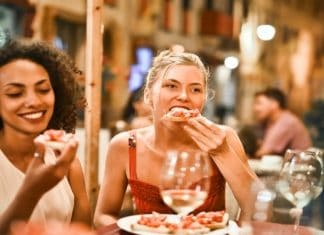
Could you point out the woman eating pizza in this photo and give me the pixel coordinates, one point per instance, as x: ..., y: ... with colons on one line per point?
x: 176, y: 90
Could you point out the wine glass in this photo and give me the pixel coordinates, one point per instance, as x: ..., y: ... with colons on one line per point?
x: 300, y: 180
x: 185, y: 180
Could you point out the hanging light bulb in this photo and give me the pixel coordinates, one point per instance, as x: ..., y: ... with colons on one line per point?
x: 231, y: 62
x: 266, y: 32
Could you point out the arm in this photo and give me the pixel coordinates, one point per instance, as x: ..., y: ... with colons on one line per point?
x: 81, y: 211
x: 20, y: 208
x: 38, y: 180
x: 114, y: 184
x: 224, y: 146
x: 233, y: 164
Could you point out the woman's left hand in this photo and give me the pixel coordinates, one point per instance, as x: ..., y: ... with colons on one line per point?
x: 208, y: 136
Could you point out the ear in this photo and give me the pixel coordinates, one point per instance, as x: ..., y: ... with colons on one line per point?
x: 275, y: 104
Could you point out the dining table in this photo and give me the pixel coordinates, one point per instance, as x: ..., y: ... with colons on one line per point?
x: 258, y: 228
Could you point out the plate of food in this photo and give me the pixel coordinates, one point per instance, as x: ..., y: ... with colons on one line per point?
x: 209, y: 223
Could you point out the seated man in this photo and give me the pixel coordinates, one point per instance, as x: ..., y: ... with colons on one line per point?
x: 282, y: 129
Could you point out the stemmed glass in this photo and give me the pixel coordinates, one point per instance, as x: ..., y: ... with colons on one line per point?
x: 185, y: 180
x: 300, y: 180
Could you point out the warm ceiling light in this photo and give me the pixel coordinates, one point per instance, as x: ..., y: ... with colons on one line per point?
x: 231, y: 62
x: 266, y: 32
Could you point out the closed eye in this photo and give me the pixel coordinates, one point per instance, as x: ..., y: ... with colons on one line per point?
x: 44, y: 91
x: 14, y: 95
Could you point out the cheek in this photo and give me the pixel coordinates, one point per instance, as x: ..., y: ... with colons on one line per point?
x: 50, y: 99
x: 199, y: 101
x: 155, y: 95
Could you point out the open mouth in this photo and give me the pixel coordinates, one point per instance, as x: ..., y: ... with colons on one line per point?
x: 179, y: 108
x: 33, y: 116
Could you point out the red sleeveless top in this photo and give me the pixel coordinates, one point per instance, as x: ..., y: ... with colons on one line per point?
x: 147, y: 198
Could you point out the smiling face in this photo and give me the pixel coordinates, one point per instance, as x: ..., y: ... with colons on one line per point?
x: 181, y: 86
x: 26, y: 97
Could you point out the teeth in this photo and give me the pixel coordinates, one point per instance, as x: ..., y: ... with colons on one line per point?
x: 33, y: 115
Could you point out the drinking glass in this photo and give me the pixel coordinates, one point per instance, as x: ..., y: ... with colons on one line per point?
x: 185, y: 180
x: 300, y: 180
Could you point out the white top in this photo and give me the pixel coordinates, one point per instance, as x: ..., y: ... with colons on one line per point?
x: 56, y: 204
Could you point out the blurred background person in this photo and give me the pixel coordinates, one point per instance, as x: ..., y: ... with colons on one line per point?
x: 137, y: 113
x: 281, y: 128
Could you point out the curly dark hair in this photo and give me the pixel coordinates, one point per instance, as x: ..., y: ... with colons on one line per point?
x: 63, y: 77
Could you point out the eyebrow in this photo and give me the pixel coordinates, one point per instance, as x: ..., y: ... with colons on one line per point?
x: 16, y: 84
x: 176, y: 81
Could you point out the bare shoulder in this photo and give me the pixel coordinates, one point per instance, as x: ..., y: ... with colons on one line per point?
x: 118, y: 146
x: 120, y: 140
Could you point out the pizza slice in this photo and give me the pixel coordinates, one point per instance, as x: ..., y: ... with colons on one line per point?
x: 179, y: 114
x: 213, y: 219
x: 55, y: 139
x: 154, y: 223
x: 189, y: 225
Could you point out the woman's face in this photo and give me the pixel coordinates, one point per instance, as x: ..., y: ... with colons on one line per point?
x: 181, y: 86
x: 26, y: 97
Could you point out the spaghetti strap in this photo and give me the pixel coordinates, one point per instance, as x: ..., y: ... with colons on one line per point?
x: 132, y: 155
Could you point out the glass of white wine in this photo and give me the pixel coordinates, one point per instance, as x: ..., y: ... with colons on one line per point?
x: 300, y: 180
x: 185, y: 180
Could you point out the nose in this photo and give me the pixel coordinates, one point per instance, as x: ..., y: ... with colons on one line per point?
x: 32, y: 100
x: 183, y: 96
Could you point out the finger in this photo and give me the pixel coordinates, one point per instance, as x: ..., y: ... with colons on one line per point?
x: 208, y: 142
x: 68, y: 154
x: 39, y: 150
x: 202, y: 122
x: 201, y: 144
x: 212, y: 141
x: 214, y: 135
x: 218, y: 130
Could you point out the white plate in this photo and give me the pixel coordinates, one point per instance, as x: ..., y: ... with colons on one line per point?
x: 125, y: 224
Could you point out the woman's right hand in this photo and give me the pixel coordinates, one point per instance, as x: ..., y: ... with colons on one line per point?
x: 41, y: 176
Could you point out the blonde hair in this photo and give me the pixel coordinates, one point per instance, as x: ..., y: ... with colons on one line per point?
x: 168, y: 58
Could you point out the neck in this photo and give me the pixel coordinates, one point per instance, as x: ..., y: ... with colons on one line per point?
x: 171, y: 137
x: 16, y: 144
x: 275, y: 116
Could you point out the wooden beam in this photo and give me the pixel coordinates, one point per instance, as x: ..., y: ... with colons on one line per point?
x: 93, y: 95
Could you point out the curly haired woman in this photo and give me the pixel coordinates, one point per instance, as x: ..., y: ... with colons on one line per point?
x: 37, y: 93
